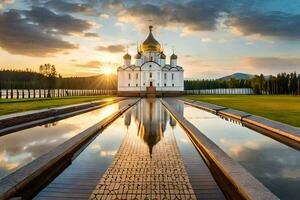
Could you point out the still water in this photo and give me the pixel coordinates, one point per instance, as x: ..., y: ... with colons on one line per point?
x: 19, y: 148
x: 276, y: 165
x: 147, y: 124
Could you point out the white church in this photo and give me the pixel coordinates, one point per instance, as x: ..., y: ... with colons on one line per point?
x: 150, y: 75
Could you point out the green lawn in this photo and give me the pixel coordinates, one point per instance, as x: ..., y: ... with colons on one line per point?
x: 282, y: 108
x: 8, y: 106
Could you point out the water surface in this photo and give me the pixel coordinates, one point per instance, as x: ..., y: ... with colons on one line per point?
x: 19, y: 148
x: 276, y: 165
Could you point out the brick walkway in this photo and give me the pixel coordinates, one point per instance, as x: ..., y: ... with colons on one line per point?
x: 135, y: 175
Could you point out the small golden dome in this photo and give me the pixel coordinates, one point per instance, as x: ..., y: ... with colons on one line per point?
x: 127, y: 56
x: 138, y: 55
x: 173, y: 56
x: 150, y: 44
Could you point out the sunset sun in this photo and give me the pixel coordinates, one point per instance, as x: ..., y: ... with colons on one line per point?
x: 107, y: 70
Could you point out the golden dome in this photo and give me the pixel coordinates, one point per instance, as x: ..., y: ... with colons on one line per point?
x: 127, y: 56
x: 150, y: 44
x: 162, y: 55
x: 173, y: 56
x: 138, y: 55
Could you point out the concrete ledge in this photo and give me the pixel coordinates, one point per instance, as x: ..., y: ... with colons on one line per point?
x: 234, y: 180
x: 19, y: 118
x: 203, y: 105
x: 290, y: 135
x: 33, y: 173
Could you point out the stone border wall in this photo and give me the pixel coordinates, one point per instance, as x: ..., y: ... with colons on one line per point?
x: 284, y: 133
x: 234, y: 180
x: 18, y: 121
x: 27, y: 180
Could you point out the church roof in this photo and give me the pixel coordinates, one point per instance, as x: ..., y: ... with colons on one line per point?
x: 162, y: 55
x: 150, y: 44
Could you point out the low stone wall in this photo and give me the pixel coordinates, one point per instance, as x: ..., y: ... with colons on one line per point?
x: 233, y: 179
x: 284, y: 133
x: 25, y: 117
x: 27, y: 180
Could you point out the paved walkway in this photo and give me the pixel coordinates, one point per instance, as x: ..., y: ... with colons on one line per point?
x: 134, y: 174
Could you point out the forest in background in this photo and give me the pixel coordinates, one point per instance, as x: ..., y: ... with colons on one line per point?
x: 27, y: 79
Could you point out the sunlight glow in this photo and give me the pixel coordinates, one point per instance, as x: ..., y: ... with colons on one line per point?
x: 107, y: 70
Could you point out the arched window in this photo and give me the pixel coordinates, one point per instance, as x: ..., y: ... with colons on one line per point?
x: 172, y: 84
x: 172, y: 76
x: 165, y: 75
x: 129, y: 76
x: 150, y: 75
x: 136, y: 76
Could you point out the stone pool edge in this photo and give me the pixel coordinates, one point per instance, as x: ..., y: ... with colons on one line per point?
x: 18, y: 182
x: 18, y: 121
x: 238, y: 182
x: 290, y: 133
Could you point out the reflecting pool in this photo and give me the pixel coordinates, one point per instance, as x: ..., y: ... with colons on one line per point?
x: 144, y: 137
x: 276, y: 165
x: 22, y: 147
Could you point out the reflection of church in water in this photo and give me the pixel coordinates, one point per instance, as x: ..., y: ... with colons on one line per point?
x: 152, y: 119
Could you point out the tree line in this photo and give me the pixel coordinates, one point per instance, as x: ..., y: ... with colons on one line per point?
x: 48, y: 78
x: 283, y: 83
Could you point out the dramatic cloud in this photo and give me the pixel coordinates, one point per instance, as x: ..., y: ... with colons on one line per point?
x: 273, y: 24
x: 194, y: 15
x: 20, y: 36
x: 112, y: 48
x: 272, y: 64
x: 67, y: 7
x: 54, y: 23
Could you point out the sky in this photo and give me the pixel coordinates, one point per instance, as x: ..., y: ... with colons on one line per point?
x: 212, y: 38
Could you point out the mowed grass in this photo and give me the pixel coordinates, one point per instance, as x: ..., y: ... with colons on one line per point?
x: 8, y: 106
x: 282, y: 108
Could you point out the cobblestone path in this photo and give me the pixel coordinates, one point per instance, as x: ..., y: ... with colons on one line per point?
x: 134, y: 174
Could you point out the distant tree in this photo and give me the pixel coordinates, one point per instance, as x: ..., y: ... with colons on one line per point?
x: 49, y: 72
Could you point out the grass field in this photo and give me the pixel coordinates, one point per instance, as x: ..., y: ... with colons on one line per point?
x: 281, y: 108
x: 8, y: 106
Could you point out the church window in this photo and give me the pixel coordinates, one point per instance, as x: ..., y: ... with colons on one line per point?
x: 172, y: 76
x: 136, y: 85
x: 165, y: 84
x: 129, y: 76
x: 151, y: 58
x: 165, y: 75
x: 172, y: 84
x: 144, y: 84
x: 157, y: 84
x: 150, y: 75
x: 150, y: 65
x: 128, y: 84
x: 136, y: 76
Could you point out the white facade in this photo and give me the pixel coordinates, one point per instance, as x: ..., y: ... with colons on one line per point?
x: 150, y: 69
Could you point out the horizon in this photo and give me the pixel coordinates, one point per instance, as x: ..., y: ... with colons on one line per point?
x: 212, y: 38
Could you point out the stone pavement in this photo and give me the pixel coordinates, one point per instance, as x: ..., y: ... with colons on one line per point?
x: 135, y: 174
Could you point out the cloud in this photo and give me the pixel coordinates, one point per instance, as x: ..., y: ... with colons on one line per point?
x: 67, y: 7
x: 193, y: 15
x: 91, y: 64
x: 112, y: 48
x: 54, y: 23
x: 20, y: 36
x: 91, y: 35
x: 272, y: 64
x: 270, y: 24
